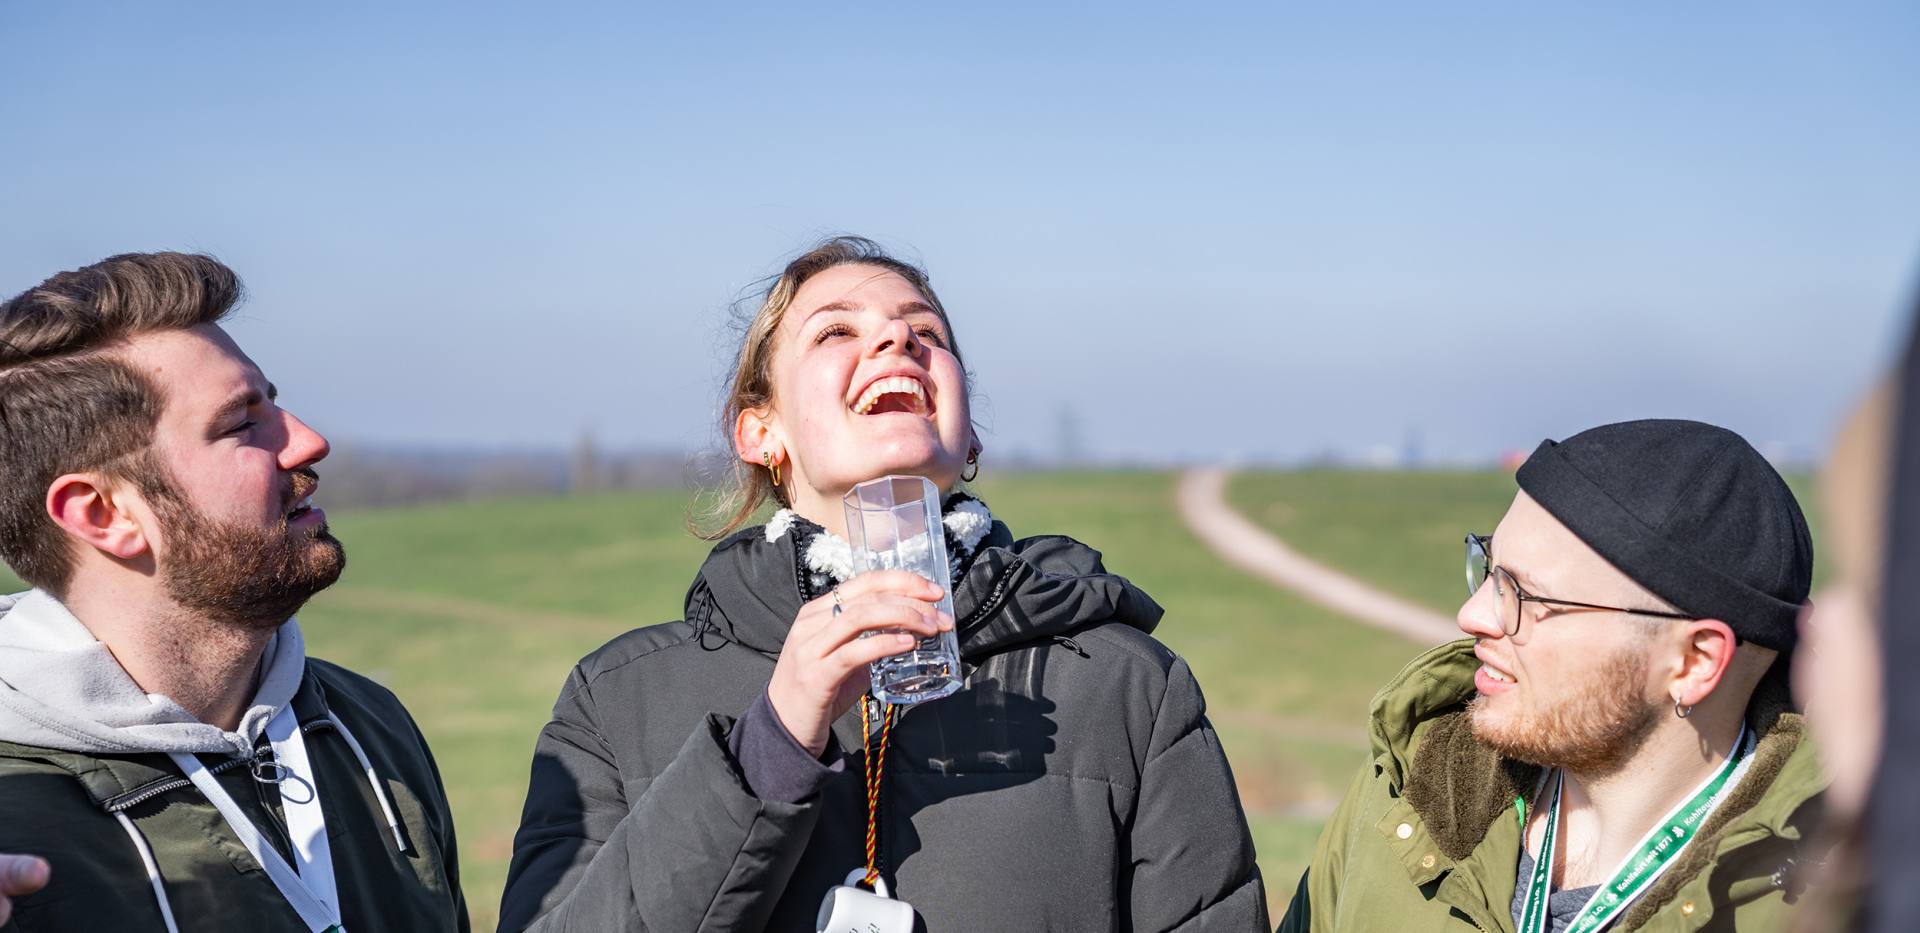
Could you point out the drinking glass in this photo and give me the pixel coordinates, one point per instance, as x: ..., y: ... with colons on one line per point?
x: 893, y: 523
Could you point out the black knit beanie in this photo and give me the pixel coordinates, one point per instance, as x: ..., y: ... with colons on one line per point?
x: 1691, y: 512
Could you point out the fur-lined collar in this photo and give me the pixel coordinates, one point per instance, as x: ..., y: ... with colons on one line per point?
x: 1006, y: 592
x: 827, y: 555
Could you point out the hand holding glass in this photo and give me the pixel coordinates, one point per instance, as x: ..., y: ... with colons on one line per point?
x: 893, y: 523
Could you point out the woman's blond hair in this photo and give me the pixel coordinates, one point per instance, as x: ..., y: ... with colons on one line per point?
x: 741, y: 487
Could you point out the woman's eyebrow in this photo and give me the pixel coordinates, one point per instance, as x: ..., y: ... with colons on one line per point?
x: 846, y: 304
x: 843, y: 304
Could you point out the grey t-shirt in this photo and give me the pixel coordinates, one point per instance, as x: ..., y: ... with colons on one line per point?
x: 1561, y: 905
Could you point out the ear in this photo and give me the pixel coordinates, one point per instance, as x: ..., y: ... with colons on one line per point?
x: 1706, y: 652
x: 977, y: 447
x: 754, y: 437
x: 99, y: 513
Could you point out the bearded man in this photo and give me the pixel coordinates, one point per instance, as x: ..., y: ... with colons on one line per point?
x: 165, y: 743
x: 1614, y: 747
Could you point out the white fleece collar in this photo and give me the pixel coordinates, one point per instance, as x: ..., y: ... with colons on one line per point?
x: 967, y: 524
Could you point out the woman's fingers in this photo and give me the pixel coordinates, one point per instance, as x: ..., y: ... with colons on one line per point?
x: 896, y: 599
x: 866, y: 621
x: 854, y: 656
x: 875, y: 615
x: 927, y: 610
x: 866, y: 624
x: 922, y: 619
x: 896, y: 582
x: 869, y: 631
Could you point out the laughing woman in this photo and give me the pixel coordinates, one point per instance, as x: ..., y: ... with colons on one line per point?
x: 715, y: 773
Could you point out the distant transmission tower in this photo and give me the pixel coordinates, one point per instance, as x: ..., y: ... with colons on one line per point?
x: 584, y: 475
x: 1067, y: 433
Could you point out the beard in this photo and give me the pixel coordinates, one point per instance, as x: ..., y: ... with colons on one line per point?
x: 1597, y: 724
x: 242, y: 574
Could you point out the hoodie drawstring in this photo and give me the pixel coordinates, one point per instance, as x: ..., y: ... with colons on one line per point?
x: 270, y: 861
x: 153, y: 870
x: 317, y: 914
x: 373, y: 780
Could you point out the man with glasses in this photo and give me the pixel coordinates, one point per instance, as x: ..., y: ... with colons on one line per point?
x: 1613, y: 747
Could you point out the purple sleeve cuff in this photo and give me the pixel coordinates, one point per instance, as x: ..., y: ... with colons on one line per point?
x: 776, y: 766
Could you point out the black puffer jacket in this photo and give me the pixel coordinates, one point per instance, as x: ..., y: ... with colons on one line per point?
x: 1074, y: 784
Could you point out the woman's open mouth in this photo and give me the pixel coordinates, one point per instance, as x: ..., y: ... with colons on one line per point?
x: 894, y: 394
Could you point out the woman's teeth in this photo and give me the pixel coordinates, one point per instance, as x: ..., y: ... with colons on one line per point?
x: 892, y: 385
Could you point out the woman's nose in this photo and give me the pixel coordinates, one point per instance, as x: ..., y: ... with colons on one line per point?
x: 897, y: 335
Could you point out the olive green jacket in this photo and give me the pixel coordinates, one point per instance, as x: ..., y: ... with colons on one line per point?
x: 1428, y: 836
x: 66, y: 807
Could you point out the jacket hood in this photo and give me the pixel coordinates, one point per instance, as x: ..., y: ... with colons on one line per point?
x: 1005, y: 592
x: 60, y: 688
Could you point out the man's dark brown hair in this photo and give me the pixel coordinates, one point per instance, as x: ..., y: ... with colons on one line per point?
x: 70, y: 403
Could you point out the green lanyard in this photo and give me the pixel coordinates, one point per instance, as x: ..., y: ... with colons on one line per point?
x: 1645, y: 863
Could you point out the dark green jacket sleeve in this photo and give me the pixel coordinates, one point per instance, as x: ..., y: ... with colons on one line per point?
x: 1192, y: 865
x: 599, y: 850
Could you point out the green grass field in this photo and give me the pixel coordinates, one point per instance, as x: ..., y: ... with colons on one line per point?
x: 473, y: 612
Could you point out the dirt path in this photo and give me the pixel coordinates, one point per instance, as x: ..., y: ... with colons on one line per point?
x: 1203, y: 504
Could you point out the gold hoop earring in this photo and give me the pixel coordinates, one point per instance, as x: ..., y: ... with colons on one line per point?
x: 973, y: 460
x: 766, y: 458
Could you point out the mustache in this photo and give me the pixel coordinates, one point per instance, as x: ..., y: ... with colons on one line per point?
x: 300, y: 484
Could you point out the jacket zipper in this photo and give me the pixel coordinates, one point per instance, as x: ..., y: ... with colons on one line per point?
x: 172, y: 785
x: 276, y: 823
x: 995, y: 597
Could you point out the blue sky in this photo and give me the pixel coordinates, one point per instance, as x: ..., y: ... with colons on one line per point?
x: 1218, y: 232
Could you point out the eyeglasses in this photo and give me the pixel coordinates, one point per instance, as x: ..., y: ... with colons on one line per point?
x: 1480, y: 567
